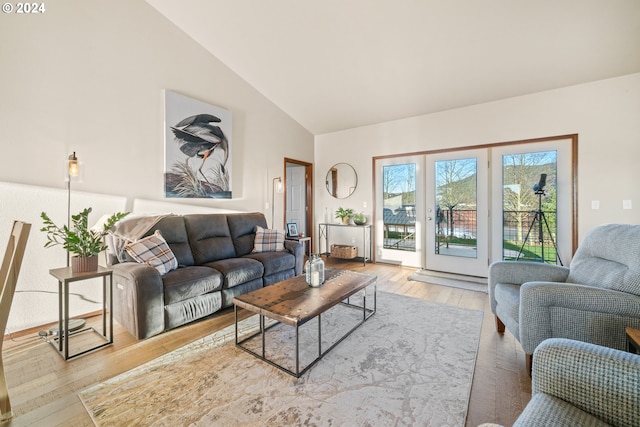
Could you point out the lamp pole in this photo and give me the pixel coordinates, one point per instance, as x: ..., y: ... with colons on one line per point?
x: 72, y: 170
x: 273, y: 195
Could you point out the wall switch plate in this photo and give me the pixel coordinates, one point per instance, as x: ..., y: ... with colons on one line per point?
x: 364, y: 205
x: 626, y: 204
x: 595, y: 204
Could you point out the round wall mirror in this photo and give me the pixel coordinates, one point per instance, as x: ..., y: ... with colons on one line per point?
x: 342, y: 180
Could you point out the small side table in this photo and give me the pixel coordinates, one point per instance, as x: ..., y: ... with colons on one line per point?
x: 66, y: 276
x: 633, y: 340
x: 306, y: 241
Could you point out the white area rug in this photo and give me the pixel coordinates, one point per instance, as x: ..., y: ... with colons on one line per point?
x: 411, y: 363
x: 425, y: 277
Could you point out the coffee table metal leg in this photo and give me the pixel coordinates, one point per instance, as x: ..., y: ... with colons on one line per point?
x: 262, y: 332
x: 297, y: 350
x: 368, y: 312
x: 235, y: 312
x: 319, y: 335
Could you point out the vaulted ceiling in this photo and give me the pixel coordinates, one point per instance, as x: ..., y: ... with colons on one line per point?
x: 338, y: 64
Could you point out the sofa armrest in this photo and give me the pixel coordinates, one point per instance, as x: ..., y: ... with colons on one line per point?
x: 598, y: 380
x: 138, y: 295
x: 519, y: 272
x: 297, y: 249
x: 579, y: 312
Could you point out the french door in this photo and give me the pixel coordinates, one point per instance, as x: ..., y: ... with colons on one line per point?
x: 457, y: 194
x: 460, y: 210
x: 400, y: 210
x: 532, y: 197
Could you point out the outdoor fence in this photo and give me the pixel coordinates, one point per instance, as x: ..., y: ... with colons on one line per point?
x: 526, y: 237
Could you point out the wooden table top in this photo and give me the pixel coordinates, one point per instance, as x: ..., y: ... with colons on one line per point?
x: 293, y: 301
x: 634, y: 335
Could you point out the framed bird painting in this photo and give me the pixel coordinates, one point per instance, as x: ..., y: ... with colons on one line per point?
x: 197, y: 149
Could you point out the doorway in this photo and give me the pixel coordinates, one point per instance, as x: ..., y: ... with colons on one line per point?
x: 458, y: 210
x: 298, y: 195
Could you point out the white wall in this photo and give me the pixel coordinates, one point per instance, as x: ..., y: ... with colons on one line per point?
x: 88, y: 76
x: 605, y: 114
x: 36, y: 298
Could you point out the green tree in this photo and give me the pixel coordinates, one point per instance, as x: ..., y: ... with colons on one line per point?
x: 456, y: 185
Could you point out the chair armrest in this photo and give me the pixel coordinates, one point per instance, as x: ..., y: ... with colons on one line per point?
x: 519, y: 272
x: 138, y: 294
x: 575, y: 311
x: 598, y: 380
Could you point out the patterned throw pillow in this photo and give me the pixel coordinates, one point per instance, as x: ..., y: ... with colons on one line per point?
x: 153, y: 251
x: 268, y: 240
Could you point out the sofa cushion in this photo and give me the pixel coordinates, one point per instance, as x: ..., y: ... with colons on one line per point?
x: 209, y: 237
x: 237, y: 271
x: 268, y: 240
x: 608, y: 258
x: 274, y: 262
x: 175, y: 233
x: 507, y: 297
x: 243, y: 230
x: 154, y: 251
x: 189, y: 282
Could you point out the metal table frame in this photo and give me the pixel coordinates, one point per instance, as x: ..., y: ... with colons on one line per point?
x: 323, y: 231
x: 65, y: 276
x: 366, y: 314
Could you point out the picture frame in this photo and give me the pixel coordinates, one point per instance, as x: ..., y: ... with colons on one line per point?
x: 292, y: 229
x: 198, y: 149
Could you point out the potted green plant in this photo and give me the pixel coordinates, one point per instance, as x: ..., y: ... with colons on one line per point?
x: 344, y: 215
x: 359, y: 219
x: 85, y: 243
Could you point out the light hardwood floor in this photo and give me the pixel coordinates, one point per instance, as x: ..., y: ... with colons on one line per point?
x: 43, y: 388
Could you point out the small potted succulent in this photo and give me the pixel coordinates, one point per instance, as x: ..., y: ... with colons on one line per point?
x: 344, y: 215
x: 359, y: 219
x: 85, y: 243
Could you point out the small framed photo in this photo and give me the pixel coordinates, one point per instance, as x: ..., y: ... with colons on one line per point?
x: 292, y: 229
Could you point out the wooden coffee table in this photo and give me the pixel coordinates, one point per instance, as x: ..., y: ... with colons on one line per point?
x: 633, y: 340
x: 293, y: 302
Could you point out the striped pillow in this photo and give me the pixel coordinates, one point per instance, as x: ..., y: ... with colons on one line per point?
x: 268, y: 240
x: 153, y: 251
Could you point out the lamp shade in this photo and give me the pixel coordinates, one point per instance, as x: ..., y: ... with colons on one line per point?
x: 73, y: 169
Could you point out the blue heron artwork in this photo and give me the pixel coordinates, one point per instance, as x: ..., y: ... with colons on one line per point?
x: 197, y: 149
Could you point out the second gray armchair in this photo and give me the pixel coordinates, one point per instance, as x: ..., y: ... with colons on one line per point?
x: 592, y: 300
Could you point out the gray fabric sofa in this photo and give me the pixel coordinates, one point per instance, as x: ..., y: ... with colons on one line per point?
x: 215, y: 263
x: 592, y: 300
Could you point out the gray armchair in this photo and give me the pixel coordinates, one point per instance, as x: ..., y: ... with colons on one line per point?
x: 580, y: 384
x: 592, y: 300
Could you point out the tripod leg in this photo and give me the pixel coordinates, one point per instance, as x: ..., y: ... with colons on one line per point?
x: 524, y: 242
x: 551, y: 237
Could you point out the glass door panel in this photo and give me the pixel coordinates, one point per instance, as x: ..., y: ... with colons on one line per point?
x: 532, y: 187
x: 529, y: 206
x: 457, y: 217
x: 398, y: 229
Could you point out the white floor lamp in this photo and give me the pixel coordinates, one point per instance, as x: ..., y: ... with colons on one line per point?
x: 73, y: 171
